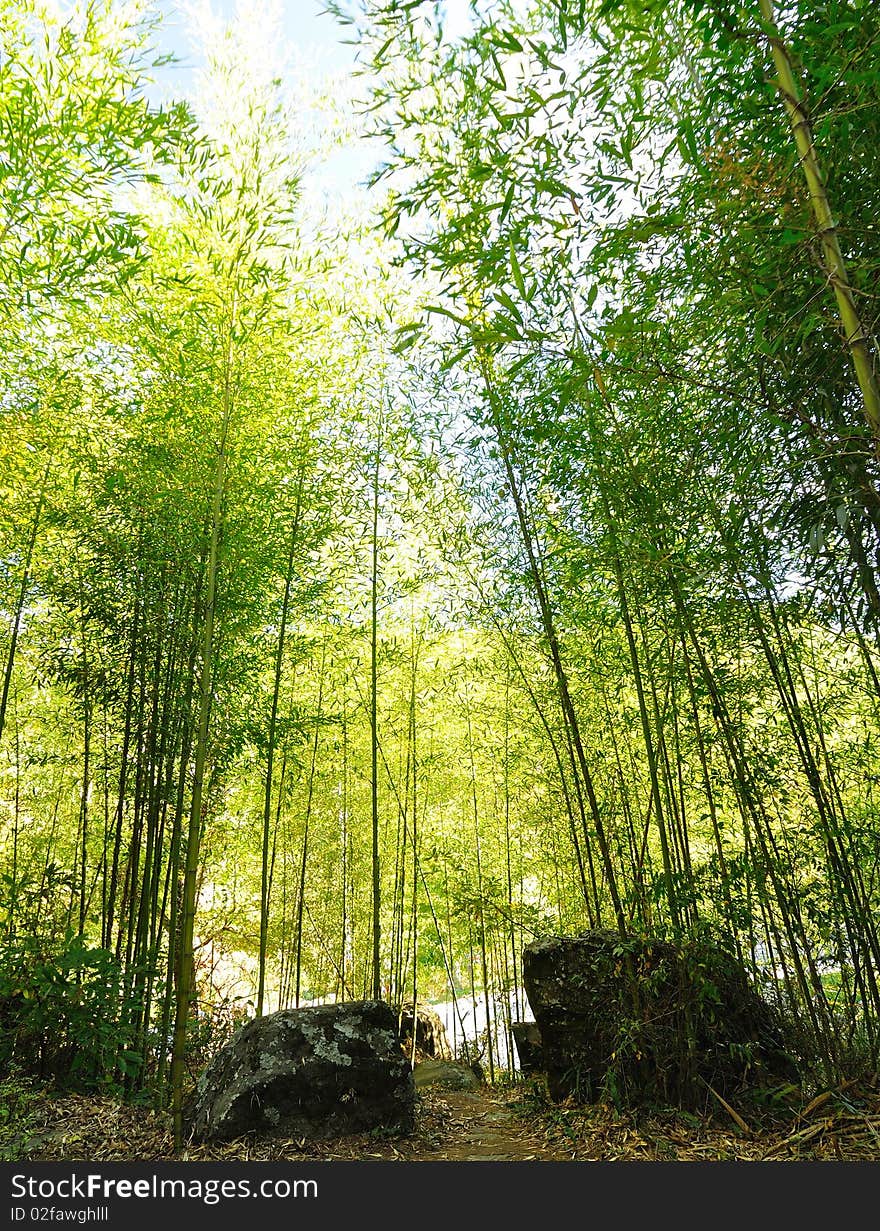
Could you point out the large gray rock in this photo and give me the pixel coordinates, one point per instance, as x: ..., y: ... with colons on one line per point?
x: 643, y: 1020
x: 317, y: 1072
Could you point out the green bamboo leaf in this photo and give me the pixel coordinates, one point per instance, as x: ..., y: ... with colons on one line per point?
x: 505, y: 300
x: 517, y: 272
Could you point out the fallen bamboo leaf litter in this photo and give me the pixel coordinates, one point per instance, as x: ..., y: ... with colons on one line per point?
x: 516, y: 1124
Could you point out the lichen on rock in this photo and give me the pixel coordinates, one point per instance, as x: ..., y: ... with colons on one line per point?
x: 315, y: 1072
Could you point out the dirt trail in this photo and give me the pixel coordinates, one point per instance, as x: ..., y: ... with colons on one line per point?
x: 481, y: 1127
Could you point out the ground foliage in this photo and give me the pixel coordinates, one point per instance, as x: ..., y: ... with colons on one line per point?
x: 518, y: 1123
x: 840, y: 1124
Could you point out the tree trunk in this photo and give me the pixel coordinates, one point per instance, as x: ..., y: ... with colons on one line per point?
x: 185, y: 965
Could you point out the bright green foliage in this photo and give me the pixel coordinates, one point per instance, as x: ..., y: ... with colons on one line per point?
x: 609, y: 196
x: 76, y: 130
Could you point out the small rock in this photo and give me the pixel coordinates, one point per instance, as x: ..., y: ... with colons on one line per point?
x: 445, y: 1073
x: 527, y: 1037
x: 430, y: 1032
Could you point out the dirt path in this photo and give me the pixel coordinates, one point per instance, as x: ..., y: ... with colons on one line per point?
x: 481, y: 1127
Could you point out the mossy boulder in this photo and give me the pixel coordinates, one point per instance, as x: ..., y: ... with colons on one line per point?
x: 317, y: 1072
x: 641, y: 1020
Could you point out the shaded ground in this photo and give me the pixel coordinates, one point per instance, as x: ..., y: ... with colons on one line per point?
x: 516, y: 1124
x: 450, y: 1124
x: 841, y: 1124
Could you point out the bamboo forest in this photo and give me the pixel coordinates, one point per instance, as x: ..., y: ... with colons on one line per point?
x: 440, y: 567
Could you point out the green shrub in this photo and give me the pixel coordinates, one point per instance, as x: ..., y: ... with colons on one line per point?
x: 63, y: 1013
x: 21, y: 1101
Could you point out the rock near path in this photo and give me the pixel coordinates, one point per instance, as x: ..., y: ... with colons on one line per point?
x: 312, y: 1073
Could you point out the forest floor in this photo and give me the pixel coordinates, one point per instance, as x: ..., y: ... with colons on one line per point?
x: 511, y: 1124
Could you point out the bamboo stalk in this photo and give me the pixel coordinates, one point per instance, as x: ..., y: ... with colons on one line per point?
x: 857, y: 338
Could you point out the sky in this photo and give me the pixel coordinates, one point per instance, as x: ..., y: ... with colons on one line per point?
x: 312, y: 40
x: 317, y: 47
x: 313, y: 35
